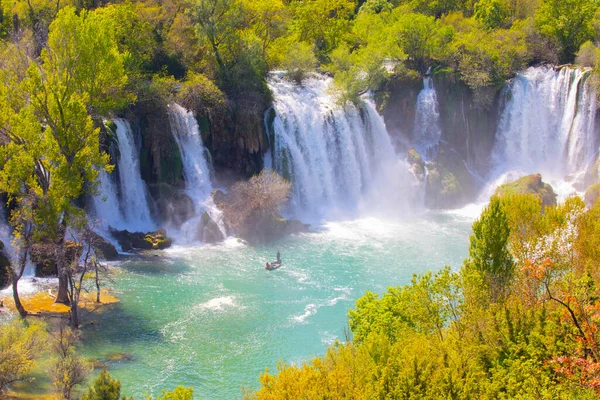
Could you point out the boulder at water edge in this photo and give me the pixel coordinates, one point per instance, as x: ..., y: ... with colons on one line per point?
x: 530, y: 184
x: 103, y: 247
x: 156, y: 240
x: 208, y: 230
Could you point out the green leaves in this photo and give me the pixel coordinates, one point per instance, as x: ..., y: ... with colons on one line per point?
x: 488, y: 252
x: 569, y: 22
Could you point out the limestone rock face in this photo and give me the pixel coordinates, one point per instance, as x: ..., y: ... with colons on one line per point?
x: 157, y: 240
x: 208, y: 230
x: 530, y: 184
x: 173, y: 205
x: 417, y: 166
x: 449, y: 183
x: 102, y: 246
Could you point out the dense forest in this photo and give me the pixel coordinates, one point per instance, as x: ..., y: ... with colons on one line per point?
x: 519, y: 320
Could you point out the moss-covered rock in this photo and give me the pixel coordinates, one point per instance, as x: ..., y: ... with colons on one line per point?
x: 449, y: 182
x: 417, y: 166
x: 530, y: 184
x: 157, y: 240
x: 103, y: 247
x: 592, y: 194
x: 208, y: 230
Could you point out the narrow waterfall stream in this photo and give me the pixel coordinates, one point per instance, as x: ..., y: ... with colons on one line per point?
x: 196, y: 169
x: 427, y: 131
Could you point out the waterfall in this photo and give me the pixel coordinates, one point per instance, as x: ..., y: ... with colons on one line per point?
x: 196, y: 167
x: 427, y: 131
x: 127, y: 208
x: 338, y: 159
x: 107, y: 206
x: 6, y: 238
x: 548, y: 126
x: 134, y: 195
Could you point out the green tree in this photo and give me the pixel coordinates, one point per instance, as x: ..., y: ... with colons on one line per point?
x: 421, y: 38
x: 489, y: 256
x: 299, y: 61
x: 569, y: 22
x: 105, y: 387
x: 179, y: 393
x: 67, y: 368
x: 53, y: 154
x: 20, y: 346
x: 492, y: 13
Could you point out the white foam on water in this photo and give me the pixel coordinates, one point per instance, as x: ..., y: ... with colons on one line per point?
x: 309, y: 310
x: 219, y: 303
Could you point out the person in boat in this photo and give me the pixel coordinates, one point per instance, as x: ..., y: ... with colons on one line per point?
x: 278, y: 257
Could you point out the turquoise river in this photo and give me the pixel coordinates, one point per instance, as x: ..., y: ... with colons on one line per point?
x: 213, y: 318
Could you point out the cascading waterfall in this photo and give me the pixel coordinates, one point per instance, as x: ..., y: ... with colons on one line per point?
x: 134, y: 195
x: 196, y: 167
x: 130, y: 209
x: 6, y: 238
x: 427, y: 131
x: 339, y: 159
x: 547, y: 126
x: 106, y: 204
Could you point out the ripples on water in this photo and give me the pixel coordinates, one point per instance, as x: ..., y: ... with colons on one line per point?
x: 213, y: 318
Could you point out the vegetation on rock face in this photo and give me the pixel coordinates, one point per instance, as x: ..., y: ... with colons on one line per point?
x: 251, y: 208
x: 518, y: 321
x: 531, y: 184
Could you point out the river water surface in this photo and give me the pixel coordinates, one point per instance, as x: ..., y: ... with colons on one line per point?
x: 213, y: 318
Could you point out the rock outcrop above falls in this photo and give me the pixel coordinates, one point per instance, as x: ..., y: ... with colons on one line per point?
x: 530, y: 184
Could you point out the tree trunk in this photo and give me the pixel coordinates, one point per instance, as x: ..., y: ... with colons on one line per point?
x: 63, y: 296
x: 74, y: 315
x: 61, y: 265
x: 18, y: 305
x: 97, y: 283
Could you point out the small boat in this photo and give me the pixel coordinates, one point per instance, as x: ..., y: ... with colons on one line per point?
x: 273, y: 266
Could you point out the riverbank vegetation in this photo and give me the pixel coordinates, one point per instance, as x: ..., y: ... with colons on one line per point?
x: 519, y: 320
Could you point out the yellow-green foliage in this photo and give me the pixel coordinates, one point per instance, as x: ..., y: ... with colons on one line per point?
x: 20, y: 345
x: 435, y: 338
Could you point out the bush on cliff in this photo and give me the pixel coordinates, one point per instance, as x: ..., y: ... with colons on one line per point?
x: 251, y: 208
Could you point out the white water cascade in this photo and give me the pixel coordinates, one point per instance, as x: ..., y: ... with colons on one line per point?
x: 340, y: 160
x: 547, y: 126
x: 427, y: 131
x: 196, y: 167
x: 128, y: 209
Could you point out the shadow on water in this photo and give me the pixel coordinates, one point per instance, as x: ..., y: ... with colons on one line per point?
x: 156, y: 266
x: 117, y: 326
